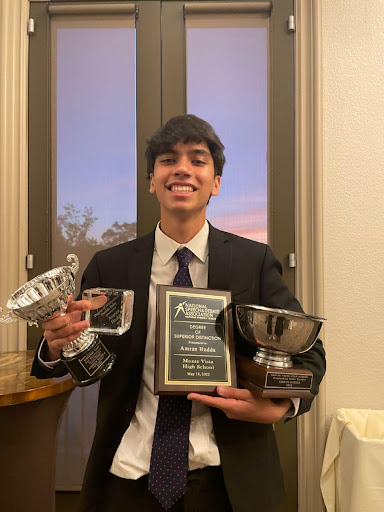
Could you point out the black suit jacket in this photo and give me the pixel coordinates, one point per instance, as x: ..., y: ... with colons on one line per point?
x: 248, y: 451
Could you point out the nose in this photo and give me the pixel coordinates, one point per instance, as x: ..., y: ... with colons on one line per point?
x: 183, y: 167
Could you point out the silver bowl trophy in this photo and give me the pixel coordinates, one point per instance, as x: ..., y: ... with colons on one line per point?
x: 277, y: 334
x: 86, y: 358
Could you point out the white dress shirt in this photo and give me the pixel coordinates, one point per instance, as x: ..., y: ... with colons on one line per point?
x: 133, y: 456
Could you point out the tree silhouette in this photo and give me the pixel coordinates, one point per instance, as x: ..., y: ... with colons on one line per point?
x: 73, y: 225
x: 72, y: 236
x: 119, y: 233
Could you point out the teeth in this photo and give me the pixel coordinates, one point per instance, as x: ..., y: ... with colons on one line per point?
x: 181, y: 188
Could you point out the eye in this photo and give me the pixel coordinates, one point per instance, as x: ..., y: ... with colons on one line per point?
x: 167, y: 160
x: 198, y: 162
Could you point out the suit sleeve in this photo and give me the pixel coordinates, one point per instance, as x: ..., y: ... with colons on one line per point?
x: 91, y: 279
x: 275, y: 293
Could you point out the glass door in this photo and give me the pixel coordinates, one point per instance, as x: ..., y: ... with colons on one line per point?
x: 102, y: 78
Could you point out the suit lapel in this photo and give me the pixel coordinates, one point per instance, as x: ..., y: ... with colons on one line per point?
x: 220, y: 259
x: 139, y: 275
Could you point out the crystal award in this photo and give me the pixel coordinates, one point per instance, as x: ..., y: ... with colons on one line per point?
x: 113, y: 317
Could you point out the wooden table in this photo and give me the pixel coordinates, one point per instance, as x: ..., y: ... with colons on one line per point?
x: 30, y: 413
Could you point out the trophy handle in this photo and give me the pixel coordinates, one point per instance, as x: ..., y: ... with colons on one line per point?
x: 75, y: 262
x: 8, y: 318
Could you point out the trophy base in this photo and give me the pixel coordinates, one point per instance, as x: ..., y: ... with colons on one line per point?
x: 91, y: 365
x: 270, y: 382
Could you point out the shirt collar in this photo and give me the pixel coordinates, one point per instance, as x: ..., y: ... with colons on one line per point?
x: 166, y: 246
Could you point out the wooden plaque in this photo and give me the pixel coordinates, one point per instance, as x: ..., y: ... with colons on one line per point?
x: 195, y: 350
x: 269, y: 382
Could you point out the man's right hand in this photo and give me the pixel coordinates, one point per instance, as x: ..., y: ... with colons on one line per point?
x: 59, y: 330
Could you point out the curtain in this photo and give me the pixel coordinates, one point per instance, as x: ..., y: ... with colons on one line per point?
x: 13, y: 161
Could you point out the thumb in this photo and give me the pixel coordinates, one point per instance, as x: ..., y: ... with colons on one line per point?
x: 98, y: 301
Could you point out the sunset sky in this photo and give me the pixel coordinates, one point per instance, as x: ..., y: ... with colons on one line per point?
x: 96, y: 119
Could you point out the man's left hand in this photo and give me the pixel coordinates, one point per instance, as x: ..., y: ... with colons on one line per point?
x: 241, y: 404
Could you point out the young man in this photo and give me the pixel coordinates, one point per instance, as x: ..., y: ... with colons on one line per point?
x: 232, y: 458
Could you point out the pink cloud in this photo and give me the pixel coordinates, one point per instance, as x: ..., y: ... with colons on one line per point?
x: 251, y: 224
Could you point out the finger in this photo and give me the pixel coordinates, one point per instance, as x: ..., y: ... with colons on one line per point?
x: 238, y: 394
x: 67, y: 331
x: 63, y: 342
x: 58, y: 322
x: 71, y: 315
x: 212, y: 401
x: 78, y: 305
x: 98, y: 302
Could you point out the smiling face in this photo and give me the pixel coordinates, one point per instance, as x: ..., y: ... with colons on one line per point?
x: 184, y: 180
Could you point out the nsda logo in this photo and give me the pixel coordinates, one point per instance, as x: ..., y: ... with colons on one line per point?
x: 195, y: 311
x: 180, y: 307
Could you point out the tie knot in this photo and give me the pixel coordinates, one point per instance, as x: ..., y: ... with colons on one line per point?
x: 184, y: 257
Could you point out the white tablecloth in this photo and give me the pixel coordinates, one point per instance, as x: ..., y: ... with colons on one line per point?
x: 352, y: 478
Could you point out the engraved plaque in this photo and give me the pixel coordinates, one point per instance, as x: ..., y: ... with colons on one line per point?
x: 194, y: 340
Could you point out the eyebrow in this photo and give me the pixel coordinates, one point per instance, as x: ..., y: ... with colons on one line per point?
x: 197, y: 151
x: 201, y: 151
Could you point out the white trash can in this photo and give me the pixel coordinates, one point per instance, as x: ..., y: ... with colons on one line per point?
x: 352, y: 477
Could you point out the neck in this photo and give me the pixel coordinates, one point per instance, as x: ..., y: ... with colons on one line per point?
x: 181, y: 230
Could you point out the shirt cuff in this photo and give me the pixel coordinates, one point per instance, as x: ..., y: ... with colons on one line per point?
x: 47, y: 364
x: 291, y: 413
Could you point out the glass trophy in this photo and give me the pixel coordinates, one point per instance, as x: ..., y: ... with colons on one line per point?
x: 87, y: 358
x: 115, y: 316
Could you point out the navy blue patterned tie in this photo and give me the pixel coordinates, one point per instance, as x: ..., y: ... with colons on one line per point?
x: 169, y: 460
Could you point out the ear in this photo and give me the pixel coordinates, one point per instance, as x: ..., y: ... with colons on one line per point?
x: 216, y: 186
x: 152, y: 189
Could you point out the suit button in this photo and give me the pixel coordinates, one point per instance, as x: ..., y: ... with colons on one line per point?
x: 130, y: 409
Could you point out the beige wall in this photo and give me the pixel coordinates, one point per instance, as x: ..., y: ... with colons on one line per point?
x: 353, y: 171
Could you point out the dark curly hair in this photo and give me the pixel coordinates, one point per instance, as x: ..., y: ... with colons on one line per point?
x: 186, y: 128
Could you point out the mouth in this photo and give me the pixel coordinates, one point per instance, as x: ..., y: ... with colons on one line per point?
x: 181, y: 189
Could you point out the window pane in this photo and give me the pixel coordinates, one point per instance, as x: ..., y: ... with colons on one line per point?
x: 227, y: 80
x: 93, y: 176
x: 94, y: 138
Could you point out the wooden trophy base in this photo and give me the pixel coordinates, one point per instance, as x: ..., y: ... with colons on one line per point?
x: 271, y: 382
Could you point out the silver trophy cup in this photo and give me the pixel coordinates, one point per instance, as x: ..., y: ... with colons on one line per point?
x: 43, y: 296
x: 86, y: 358
x: 277, y: 334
